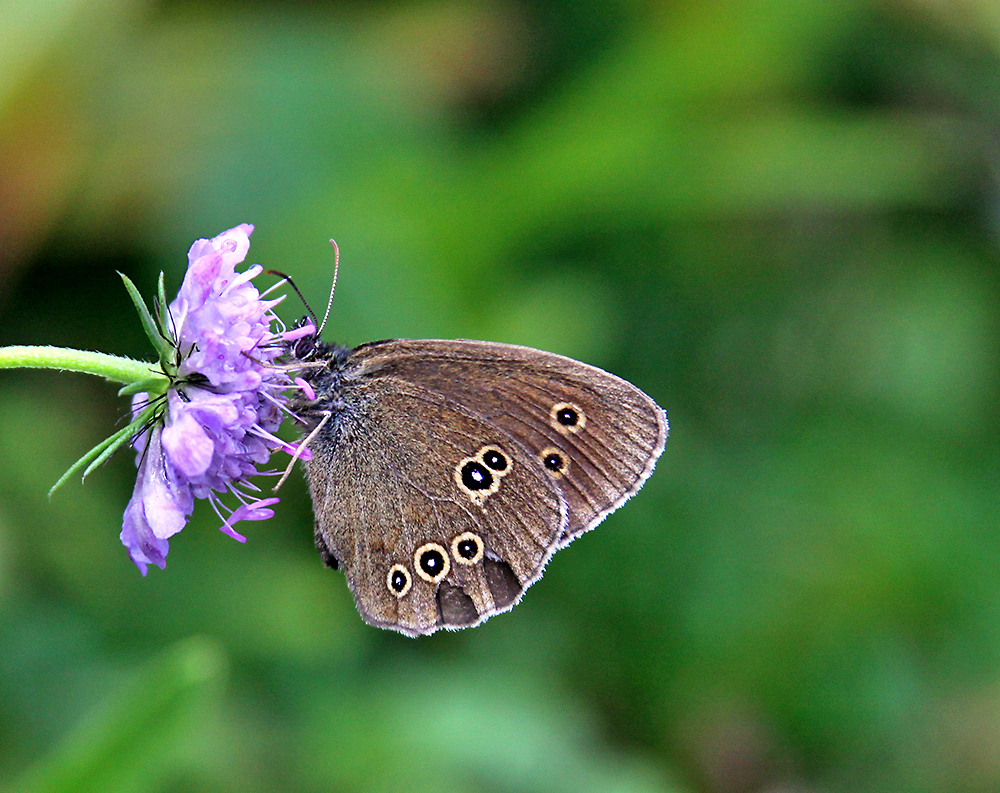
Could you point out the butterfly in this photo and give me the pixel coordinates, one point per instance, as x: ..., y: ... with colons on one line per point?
x: 445, y: 474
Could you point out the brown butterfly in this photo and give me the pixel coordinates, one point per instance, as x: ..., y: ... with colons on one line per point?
x: 444, y: 474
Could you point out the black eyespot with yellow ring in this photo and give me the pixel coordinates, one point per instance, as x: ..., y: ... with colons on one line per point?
x: 398, y: 580
x: 494, y: 458
x: 554, y: 461
x: 567, y: 418
x: 476, y: 480
x: 431, y: 562
x: 467, y: 548
x: 475, y: 476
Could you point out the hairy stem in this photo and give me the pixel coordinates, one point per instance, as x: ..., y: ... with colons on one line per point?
x: 112, y: 367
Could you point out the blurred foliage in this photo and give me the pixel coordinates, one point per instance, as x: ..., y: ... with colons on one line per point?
x: 778, y: 217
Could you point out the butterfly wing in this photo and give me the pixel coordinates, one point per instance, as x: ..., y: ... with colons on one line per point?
x: 450, y: 471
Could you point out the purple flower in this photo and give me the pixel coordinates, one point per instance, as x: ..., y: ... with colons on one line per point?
x: 216, y: 421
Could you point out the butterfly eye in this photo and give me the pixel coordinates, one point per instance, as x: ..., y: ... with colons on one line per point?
x: 554, y: 461
x: 494, y: 459
x: 467, y: 548
x: 431, y: 562
x: 398, y: 580
x: 567, y: 418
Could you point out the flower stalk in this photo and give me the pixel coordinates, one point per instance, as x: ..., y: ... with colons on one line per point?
x: 111, y: 367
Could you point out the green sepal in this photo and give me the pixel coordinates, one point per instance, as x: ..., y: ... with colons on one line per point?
x: 163, y: 308
x: 106, y: 448
x: 117, y: 441
x: 160, y: 344
x: 152, y: 385
x: 114, y: 441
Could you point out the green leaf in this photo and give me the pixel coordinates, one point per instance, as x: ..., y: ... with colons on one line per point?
x: 160, y: 344
x: 115, y: 440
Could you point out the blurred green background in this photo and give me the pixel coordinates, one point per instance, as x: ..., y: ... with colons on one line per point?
x: 778, y: 217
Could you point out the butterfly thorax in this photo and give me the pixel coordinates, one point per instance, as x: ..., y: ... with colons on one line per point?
x: 325, y: 371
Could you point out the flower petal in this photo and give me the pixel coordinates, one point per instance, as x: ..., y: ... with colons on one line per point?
x: 234, y: 243
x: 155, y: 512
x: 144, y: 547
x: 255, y: 510
x: 187, y: 444
x: 166, y: 504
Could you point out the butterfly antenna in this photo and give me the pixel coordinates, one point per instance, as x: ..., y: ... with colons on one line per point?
x: 312, y: 315
x: 333, y: 288
x: 291, y: 283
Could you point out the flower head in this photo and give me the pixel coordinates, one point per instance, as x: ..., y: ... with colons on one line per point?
x: 214, y: 423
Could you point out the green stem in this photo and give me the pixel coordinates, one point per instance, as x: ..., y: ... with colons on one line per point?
x: 113, y: 367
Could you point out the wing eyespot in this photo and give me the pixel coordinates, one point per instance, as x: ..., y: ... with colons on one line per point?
x: 467, y: 548
x: 494, y: 458
x: 476, y: 480
x: 431, y: 562
x: 567, y: 418
x: 554, y: 461
x: 398, y: 580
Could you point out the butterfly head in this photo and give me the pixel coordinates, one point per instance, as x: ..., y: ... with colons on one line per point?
x: 305, y: 348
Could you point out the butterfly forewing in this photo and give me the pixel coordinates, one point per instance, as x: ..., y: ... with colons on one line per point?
x: 606, y: 454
